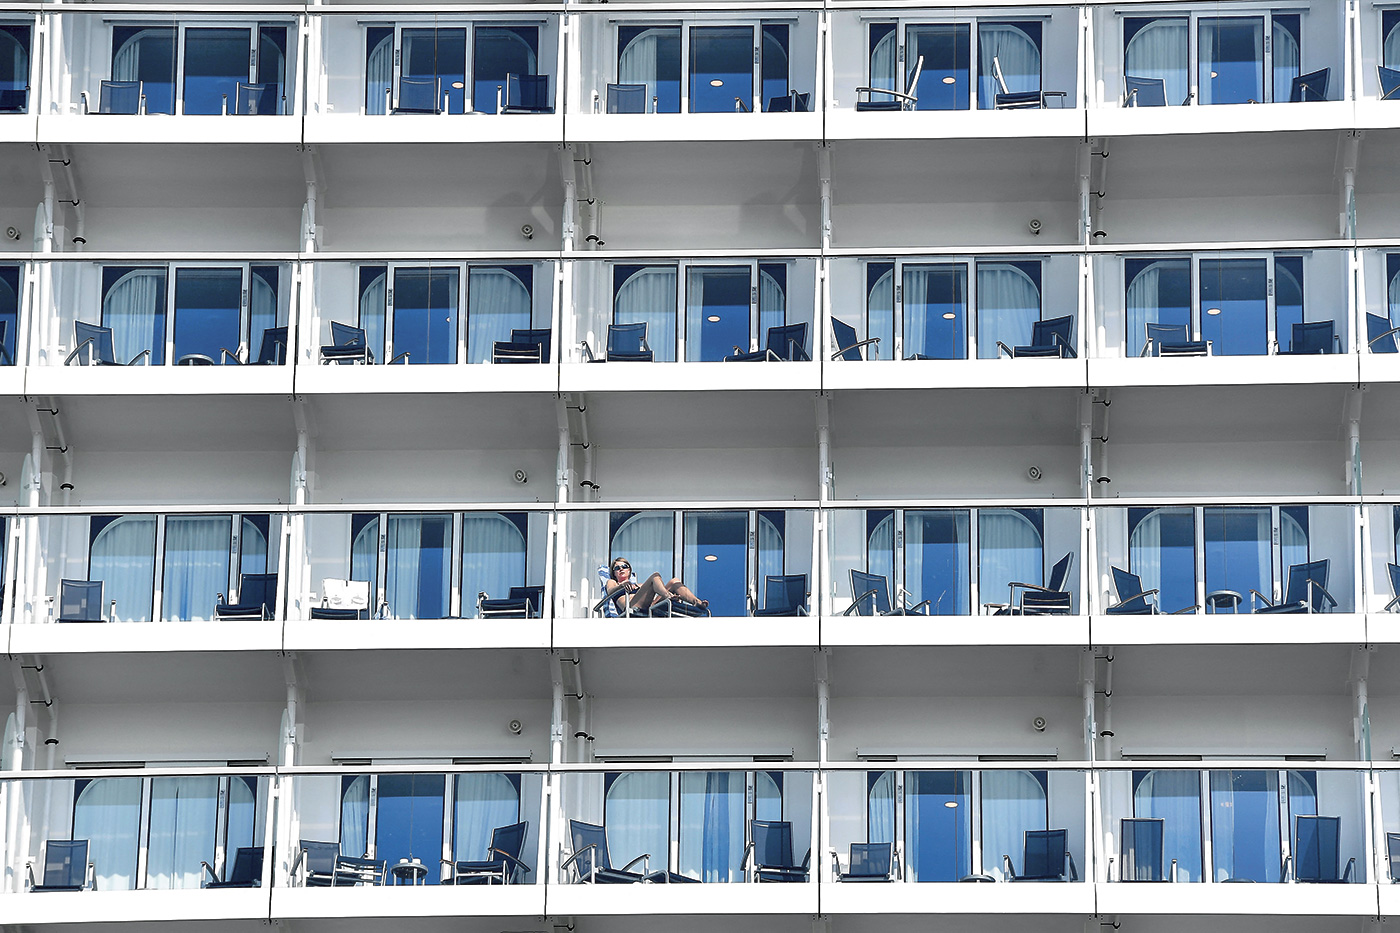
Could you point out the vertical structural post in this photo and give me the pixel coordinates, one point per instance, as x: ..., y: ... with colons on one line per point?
x: 561, y: 413
x: 1084, y: 168
x: 822, y: 822
x: 14, y: 761
x: 1352, y: 462
x: 1091, y: 781
x: 824, y: 168
x: 1351, y: 145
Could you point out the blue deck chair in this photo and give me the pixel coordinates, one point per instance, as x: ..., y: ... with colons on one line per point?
x: 1053, y: 598
x: 524, y: 602
x: 770, y: 849
x: 869, y: 861
x: 503, y: 864
x: 1049, y: 338
x: 349, y: 344
x: 627, y: 98
x: 1389, y: 79
x: 785, y: 343
x: 592, y: 865
x: 1311, y: 86
x: 847, y: 345
x: 784, y: 595
x: 1307, y: 591
x: 1380, y: 335
x: 1317, y: 855
x: 327, y: 868
x: 272, y: 351
x: 66, y: 867
x: 257, y: 598
x: 118, y: 97
x: 1132, y: 598
x: 524, y: 346
x: 1141, y: 850
x: 886, y: 99
x: 419, y: 95
x: 527, y: 94
x: 1144, y: 92
x: 5, y: 358
x: 245, y: 873
x: 1313, y: 337
x: 627, y: 343
x: 870, y: 594
x: 80, y: 601
x: 92, y: 346
x: 1046, y: 857
x: 1007, y: 99
x: 1173, y: 340
x: 256, y: 100
x: 14, y: 100
x: 1392, y: 855
x: 1393, y: 571
x: 791, y: 102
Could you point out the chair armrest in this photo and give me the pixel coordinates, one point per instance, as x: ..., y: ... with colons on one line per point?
x: 1346, y: 875
x: 1003, y: 347
x: 401, y: 358
x: 807, y: 859
x: 1183, y: 611
x: 145, y: 353
x: 893, y: 93
x: 644, y: 858
x: 744, y: 862
x: 69, y: 359
x: 226, y: 354
x: 1073, y: 871
x: 1322, y: 589
x: 1010, y: 869
x: 835, y: 865
x: 1172, y: 877
x: 914, y: 609
x: 1058, y: 339
x: 1390, y: 333
x: 856, y: 602
x: 1388, y: 606
x: 1287, y: 859
x: 515, y: 862
x: 451, y: 868
x: 1146, y: 349
x: 296, y: 863
x: 84, y: 96
x: 1142, y: 596
x: 210, y: 869
x: 598, y: 606
x: 861, y: 343
x: 1253, y: 604
x: 29, y: 867
x: 587, y: 351
x: 571, y: 860
x: 799, y: 352
x: 740, y: 106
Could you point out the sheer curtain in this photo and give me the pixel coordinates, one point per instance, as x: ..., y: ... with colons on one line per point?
x: 1174, y: 797
x: 253, y: 550
x: 1143, y: 303
x: 1393, y: 289
x: 880, y: 808
x: 497, y: 301
x: 372, y: 315
x: 379, y: 75
x: 1390, y: 54
x: 243, y: 815
x: 493, y: 558
x: 1013, y: 802
x: 650, y: 295
x: 364, y: 560
x: 770, y: 549
x: 184, y: 811
x: 1286, y: 58
x: 1145, y: 552
x: 1016, y: 52
x: 17, y: 69
x: 124, y: 559
x: 108, y: 814
x: 916, y: 309
x: 262, y: 313
x: 769, y: 805
x: 1009, y: 551
x: 712, y: 824
x: 772, y: 305
x: 647, y: 541
x: 483, y: 803
x: 637, y: 63
x: 1293, y: 540
x: 637, y: 808
x: 354, y: 818
x: 196, y: 566
x: 936, y: 560
x: 1159, y: 50
x: 132, y: 309
x: 879, y: 318
x: 418, y: 572
x: 883, y: 61
x: 1008, y: 305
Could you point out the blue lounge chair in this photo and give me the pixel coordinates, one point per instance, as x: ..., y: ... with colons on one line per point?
x: 1141, y: 851
x: 1380, y: 335
x: 1046, y: 857
x: 271, y: 352
x: 785, y: 343
x: 1005, y: 99
x: 627, y: 343
x: 524, y: 346
x: 527, y: 94
x: 349, y: 344
x: 503, y: 865
x: 771, y: 853
x: 80, y: 601
x: 1053, y: 598
x: 618, y: 605
x: 66, y: 867
x: 1144, y: 92
x: 1307, y: 591
x: 1313, y: 337
x: 419, y: 95
x: 784, y: 595
x: 92, y: 346
x: 847, y: 345
x: 1393, y: 571
x: 257, y: 598
x: 791, y: 102
x: 1132, y: 598
x: 869, y: 861
x: 1317, y: 856
x: 627, y: 98
x: 1392, y: 855
x: 871, y: 596
x: 327, y: 868
x: 524, y: 602
x: 889, y: 99
x: 245, y: 873
x: 256, y: 100
x: 1311, y: 86
x: 1389, y: 80
x: 1173, y: 340
x: 5, y: 358
x: 118, y: 97
x: 592, y: 865
x: 1049, y: 338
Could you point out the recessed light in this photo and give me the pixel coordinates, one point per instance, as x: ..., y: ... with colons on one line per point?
x: 711, y: 558
x: 1212, y: 311
x: 949, y: 79
x: 950, y: 804
x: 1214, y: 74
x: 458, y: 85
x: 949, y: 316
x: 713, y: 318
x: 716, y: 82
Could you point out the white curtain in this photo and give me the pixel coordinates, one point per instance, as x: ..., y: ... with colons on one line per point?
x: 1286, y: 58
x: 1008, y: 305
x: 1174, y: 797
x: 1245, y: 825
x: 879, y: 318
x: 650, y: 295
x: 17, y: 69
x: 243, y: 816
x: 124, y: 559
x: 916, y: 309
x: 770, y: 549
x: 407, y: 570
x: 1293, y: 541
x: 880, y: 555
x: 372, y: 315
x: 1013, y: 802
x: 1009, y: 551
x: 1390, y: 54
x: 712, y: 825
x: 262, y: 313
x: 769, y: 805
x: 638, y: 61
x: 364, y: 559
x: 647, y: 541
x: 184, y: 811
x: 493, y: 558
x: 484, y: 802
x: 1015, y: 51
x: 1143, y: 306
x: 497, y: 301
x: 1145, y: 552
x: 379, y: 75
x: 772, y: 305
x: 108, y: 814
x: 254, y: 549
x: 1393, y: 290
x: 1239, y: 549
x: 883, y: 61
x: 880, y: 810
x: 637, y: 811
x: 1208, y: 32
x: 196, y: 566
x: 354, y: 818
x: 132, y: 308
x: 1159, y: 50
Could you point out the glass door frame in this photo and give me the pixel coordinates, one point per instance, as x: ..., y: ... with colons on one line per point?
x: 450, y: 21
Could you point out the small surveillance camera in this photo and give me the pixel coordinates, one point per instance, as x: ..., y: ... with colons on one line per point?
x: 516, y: 727
x: 527, y: 231
x: 1038, y: 724
x: 1034, y: 226
x: 12, y: 233
x: 1035, y: 474
x: 520, y: 477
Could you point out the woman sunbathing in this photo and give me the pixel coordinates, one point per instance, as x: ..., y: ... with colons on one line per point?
x: 619, y: 582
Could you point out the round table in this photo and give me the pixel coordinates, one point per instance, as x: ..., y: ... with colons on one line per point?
x: 195, y: 359
x: 1223, y: 599
x: 409, y: 872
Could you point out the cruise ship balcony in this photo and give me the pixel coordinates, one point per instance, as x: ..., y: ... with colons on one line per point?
x: 17, y: 67
x: 1378, y: 59
x: 1378, y: 301
x: 12, y: 277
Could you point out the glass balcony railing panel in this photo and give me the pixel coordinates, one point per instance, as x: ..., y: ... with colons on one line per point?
x: 696, y: 311
x: 171, y: 568
x: 931, y: 825
x: 691, y: 562
x: 1226, y: 559
x: 1285, y: 304
x: 431, y: 828
x: 955, y: 308
x: 1262, y: 825
x: 954, y: 561
x: 1383, y: 528
x: 713, y: 826
x: 15, y: 81
x: 1380, y: 298
x: 414, y: 565
x: 11, y: 276
x: 432, y: 313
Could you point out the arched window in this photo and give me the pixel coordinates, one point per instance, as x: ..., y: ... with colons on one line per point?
x: 493, y: 556
x: 123, y: 557
x: 1174, y: 797
x: 1392, y: 290
x: 711, y: 844
x: 498, y: 301
x: 483, y: 803
x: 647, y: 294
x: 637, y: 812
x: 647, y: 540
x: 1013, y: 803
x: 770, y: 543
x: 364, y: 553
x: 379, y: 69
x: 1016, y: 48
x: 879, y: 808
x: 879, y: 310
x: 879, y: 547
x: 133, y: 306
x: 354, y: 816
x: 1008, y: 304
x: 1009, y: 550
x: 651, y: 55
x: 14, y: 68
x: 1162, y: 551
x: 107, y: 812
x: 1158, y: 48
x: 374, y: 284
x: 499, y: 51
x: 147, y: 54
x: 1158, y: 292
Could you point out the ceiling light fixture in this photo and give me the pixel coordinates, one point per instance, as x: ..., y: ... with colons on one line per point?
x: 716, y: 82
x: 713, y: 318
x: 949, y: 79
x: 949, y: 316
x: 711, y: 558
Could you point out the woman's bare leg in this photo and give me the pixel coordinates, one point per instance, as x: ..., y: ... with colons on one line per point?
x: 681, y: 591
x: 649, y: 591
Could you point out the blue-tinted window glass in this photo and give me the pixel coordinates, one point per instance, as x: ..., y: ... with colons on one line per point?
x: 717, y: 312
x: 419, y: 569
x: 938, y: 825
x: 107, y: 812
x: 208, y: 307
x: 183, y: 824
x: 215, y: 61
x: 935, y: 312
x: 364, y: 553
x: 9, y: 313
x: 1244, y: 815
x: 242, y: 824
x: 123, y: 556
x: 133, y: 306
x: 721, y: 68
x: 379, y: 67
x: 1013, y: 804
x: 880, y: 806
x: 1162, y: 551
x: 196, y: 571
x: 263, y: 308
x: 440, y: 54
x: 637, y: 813
x: 1392, y: 288
x: 373, y: 300
x: 1234, y: 306
x: 498, y: 301
x: 884, y: 59
x: 775, y: 62
x: 1238, y: 550
x: 716, y: 558
x: 1288, y: 297
x: 1158, y: 292
x: 1390, y: 38
x: 651, y: 55
x: 1174, y: 797
x: 1231, y: 69
x: 272, y: 62
x: 1009, y: 550
x: 1016, y: 48
x: 1008, y: 305
x: 772, y: 299
x: 945, y: 83
x: 1158, y: 47
x: 409, y: 820
x: 1287, y: 39
x: 14, y: 68
x: 936, y: 555
x: 769, y: 805
x: 483, y: 803
x: 496, y: 52
x: 493, y: 555
x: 879, y: 310
x: 711, y: 843
x: 425, y: 315
x: 147, y: 54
